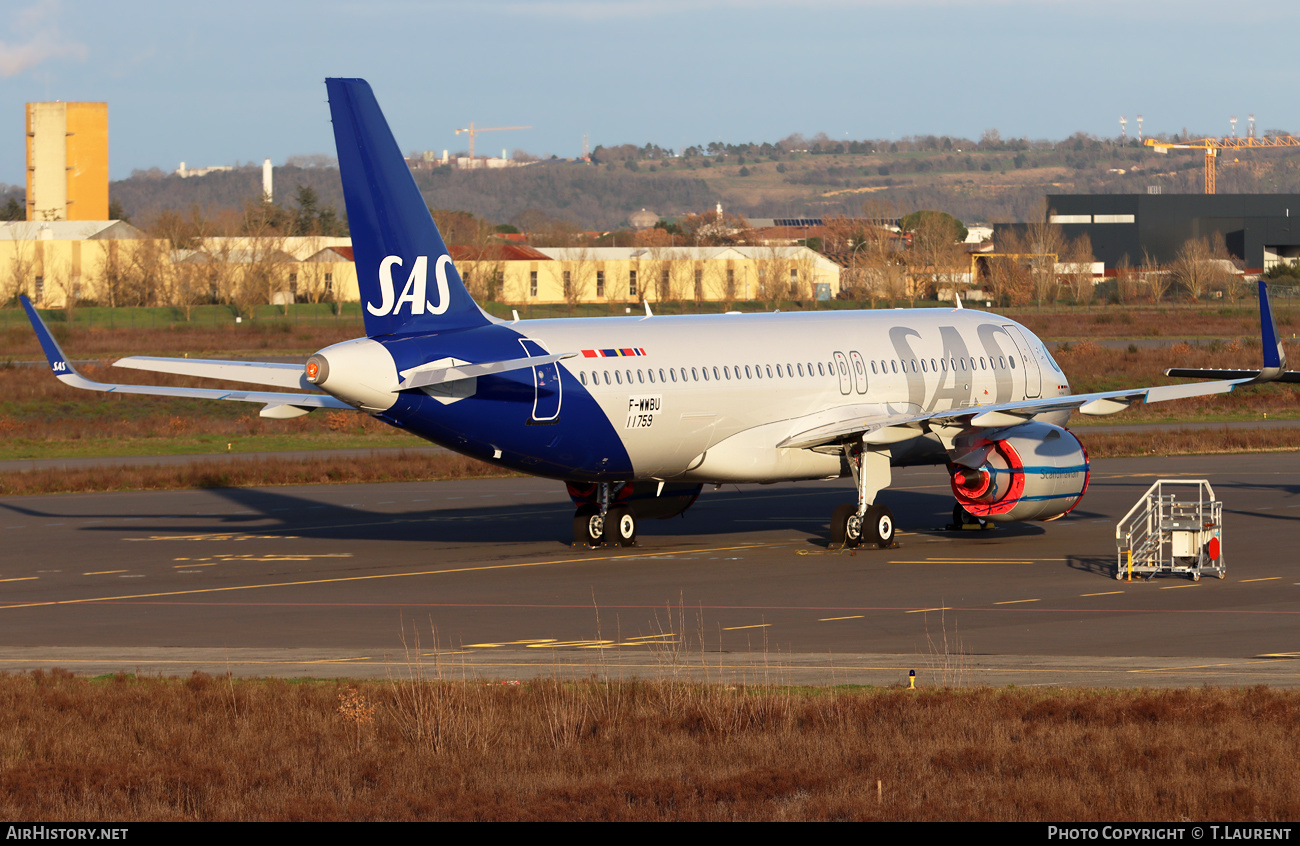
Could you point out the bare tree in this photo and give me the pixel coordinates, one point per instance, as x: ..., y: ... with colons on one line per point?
x: 23, y: 261
x: 1078, y: 269
x: 1126, y: 281
x: 1154, y: 278
x: 936, y: 253
x: 803, y: 279
x: 578, y: 274
x: 774, y: 265
x: 1197, y: 269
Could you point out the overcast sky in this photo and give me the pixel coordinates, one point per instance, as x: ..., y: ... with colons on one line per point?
x: 241, y: 81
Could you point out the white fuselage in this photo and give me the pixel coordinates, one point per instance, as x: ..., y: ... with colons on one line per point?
x: 708, y: 397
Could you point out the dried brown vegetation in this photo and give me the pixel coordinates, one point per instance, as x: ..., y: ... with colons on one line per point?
x: 401, y: 466
x: 1188, y: 440
x: 208, y: 748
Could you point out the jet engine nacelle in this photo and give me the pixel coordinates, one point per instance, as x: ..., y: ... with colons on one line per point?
x: 359, y: 372
x: 645, y: 498
x: 1035, y: 471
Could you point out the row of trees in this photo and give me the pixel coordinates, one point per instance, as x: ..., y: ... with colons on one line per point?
x: 1039, y: 265
x: 241, y: 259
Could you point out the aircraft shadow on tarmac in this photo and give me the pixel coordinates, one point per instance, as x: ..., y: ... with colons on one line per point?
x: 730, y: 511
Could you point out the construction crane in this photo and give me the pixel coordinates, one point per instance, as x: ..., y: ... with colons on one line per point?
x: 474, y: 131
x: 1212, y: 146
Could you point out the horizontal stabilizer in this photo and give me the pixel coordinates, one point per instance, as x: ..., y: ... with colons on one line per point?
x: 248, y: 372
x: 1274, y: 369
x: 1292, y: 376
x: 68, y: 375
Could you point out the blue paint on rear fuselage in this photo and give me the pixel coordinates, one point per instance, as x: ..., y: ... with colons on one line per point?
x: 580, y: 445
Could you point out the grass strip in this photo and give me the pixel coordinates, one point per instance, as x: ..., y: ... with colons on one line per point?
x: 420, y: 748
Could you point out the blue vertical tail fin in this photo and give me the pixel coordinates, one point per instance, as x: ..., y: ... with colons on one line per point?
x: 407, y: 280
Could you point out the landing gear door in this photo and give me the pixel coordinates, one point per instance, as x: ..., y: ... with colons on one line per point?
x: 1033, y: 376
x: 546, y: 385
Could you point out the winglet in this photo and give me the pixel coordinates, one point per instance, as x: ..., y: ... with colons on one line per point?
x: 1274, y: 355
x: 53, y: 352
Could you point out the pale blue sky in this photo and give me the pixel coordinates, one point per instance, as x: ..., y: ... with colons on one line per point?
x: 242, y: 81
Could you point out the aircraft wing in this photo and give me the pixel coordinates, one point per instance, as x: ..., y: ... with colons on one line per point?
x: 892, y: 428
x: 277, y: 404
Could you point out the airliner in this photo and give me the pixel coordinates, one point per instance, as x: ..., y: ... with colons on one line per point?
x: 637, y: 413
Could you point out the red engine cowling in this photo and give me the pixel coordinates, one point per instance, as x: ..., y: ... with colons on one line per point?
x: 1035, y: 471
x: 645, y: 498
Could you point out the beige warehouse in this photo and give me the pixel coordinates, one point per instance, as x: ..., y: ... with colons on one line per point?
x: 113, y: 263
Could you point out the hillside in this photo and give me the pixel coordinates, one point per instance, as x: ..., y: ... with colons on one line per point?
x: 990, y: 181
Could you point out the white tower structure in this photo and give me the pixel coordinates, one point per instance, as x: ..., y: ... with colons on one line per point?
x: 266, y: 180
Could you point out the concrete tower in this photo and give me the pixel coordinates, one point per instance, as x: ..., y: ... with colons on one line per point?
x: 67, y: 161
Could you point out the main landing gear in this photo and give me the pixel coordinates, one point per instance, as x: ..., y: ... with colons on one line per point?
x: 864, y: 523
x: 603, y: 523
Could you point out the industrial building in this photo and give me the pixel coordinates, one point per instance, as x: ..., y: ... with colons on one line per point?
x: 1260, y: 230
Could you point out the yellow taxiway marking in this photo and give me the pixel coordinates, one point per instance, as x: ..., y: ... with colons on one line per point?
x: 1280, y: 655
x: 1267, y: 579
x: 1015, y: 601
x: 666, y: 636
x: 376, y: 576
x: 831, y: 619
x: 738, y: 628
x: 1182, y: 667
x: 285, y: 556
x: 529, y: 642
x: 979, y: 561
x: 1176, y: 587
x: 995, y: 560
x: 102, y: 572
x: 923, y: 610
x: 570, y: 643
x: 24, y: 578
x: 220, y: 536
x: 1103, y: 593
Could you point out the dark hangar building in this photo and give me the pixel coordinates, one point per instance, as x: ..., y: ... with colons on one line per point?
x: 1259, y: 229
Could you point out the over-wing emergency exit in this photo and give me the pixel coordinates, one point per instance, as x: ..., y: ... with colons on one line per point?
x: 637, y: 413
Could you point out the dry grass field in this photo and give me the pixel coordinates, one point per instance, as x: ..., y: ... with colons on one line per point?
x: 205, y: 748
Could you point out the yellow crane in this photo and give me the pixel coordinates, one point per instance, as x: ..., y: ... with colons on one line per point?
x: 474, y: 131
x: 1212, y: 146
